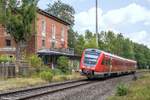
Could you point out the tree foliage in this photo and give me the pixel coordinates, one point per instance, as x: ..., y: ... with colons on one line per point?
x: 35, y: 61
x: 116, y: 44
x: 19, y: 20
x: 62, y: 10
x: 72, y: 38
x: 2, y: 9
x: 63, y: 64
x: 90, y: 39
x: 80, y: 45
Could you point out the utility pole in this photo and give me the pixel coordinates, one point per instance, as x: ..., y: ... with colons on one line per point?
x: 96, y: 22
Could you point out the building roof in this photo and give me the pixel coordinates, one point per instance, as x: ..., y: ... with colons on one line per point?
x: 52, y: 17
x: 49, y: 52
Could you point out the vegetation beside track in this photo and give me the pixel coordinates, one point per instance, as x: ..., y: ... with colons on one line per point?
x: 39, y: 74
x: 15, y: 83
x: 138, y: 90
x: 19, y: 82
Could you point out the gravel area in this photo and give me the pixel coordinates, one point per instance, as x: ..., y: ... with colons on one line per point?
x: 96, y: 91
x: 35, y: 86
x: 39, y: 90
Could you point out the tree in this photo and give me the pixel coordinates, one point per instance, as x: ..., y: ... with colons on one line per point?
x: 101, y: 39
x: 142, y: 55
x: 116, y: 44
x: 119, y: 44
x: 62, y: 10
x: 19, y: 21
x: 1, y: 10
x: 139, y: 55
x: 72, y: 38
x: 63, y: 64
x: 80, y: 45
x: 88, y: 35
x: 91, y: 43
x: 127, y: 50
x: 110, y: 41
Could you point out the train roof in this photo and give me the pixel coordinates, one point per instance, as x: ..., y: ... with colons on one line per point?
x: 112, y: 55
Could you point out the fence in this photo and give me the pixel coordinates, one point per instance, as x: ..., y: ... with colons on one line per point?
x: 7, y: 70
x: 25, y: 69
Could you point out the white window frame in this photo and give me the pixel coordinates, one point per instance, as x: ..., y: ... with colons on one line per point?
x: 43, y: 45
x: 63, y: 33
x: 53, y: 31
x: 43, y: 27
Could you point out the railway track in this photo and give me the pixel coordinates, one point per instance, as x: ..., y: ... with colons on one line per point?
x: 43, y: 90
x: 37, y: 91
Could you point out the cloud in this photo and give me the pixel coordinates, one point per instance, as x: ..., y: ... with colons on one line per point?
x: 148, y: 0
x: 115, y: 19
x: 140, y: 37
x: 86, y: 20
x: 131, y: 14
x: 43, y: 4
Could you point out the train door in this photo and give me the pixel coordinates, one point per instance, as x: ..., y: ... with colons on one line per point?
x: 105, y: 64
x: 110, y: 65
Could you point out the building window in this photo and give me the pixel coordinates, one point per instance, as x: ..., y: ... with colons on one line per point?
x: 8, y: 42
x: 43, y: 42
x: 62, y: 33
x: 53, y: 44
x: 43, y: 27
x: 53, y: 31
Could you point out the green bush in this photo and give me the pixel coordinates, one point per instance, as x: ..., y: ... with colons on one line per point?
x: 56, y: 71
x: 60, y: 78
x: 122, y: 89
x: 4, y: 58
x: 63, y: 64
x: 35, y: 61
x: 46, y: 75
x: 63, y: 77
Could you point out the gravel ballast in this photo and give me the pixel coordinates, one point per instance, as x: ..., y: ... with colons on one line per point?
x: 96, y: 91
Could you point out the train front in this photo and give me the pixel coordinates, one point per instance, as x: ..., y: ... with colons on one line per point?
x: 89, y: 62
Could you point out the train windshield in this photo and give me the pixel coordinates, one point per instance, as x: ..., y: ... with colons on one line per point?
x: 91, y: 57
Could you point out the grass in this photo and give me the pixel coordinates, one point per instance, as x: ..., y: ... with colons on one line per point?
x: 19, y: 82
x: 138, y: 90
x: 14, y: 83
x: 73, y: 76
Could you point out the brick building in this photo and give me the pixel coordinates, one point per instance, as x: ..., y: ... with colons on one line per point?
x: 49, y: 42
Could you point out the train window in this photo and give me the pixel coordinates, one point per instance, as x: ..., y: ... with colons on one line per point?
x: 106, y: 62
x: 91, y: 57
x: 103, y: 61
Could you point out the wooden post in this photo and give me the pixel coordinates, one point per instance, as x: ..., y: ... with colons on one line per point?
x: 3, y: 70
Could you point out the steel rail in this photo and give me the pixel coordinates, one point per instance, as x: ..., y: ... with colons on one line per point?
x: 15, y: 95
x: 38, y: 88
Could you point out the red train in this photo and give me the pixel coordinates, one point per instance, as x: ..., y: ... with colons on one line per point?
x: 95, y: 62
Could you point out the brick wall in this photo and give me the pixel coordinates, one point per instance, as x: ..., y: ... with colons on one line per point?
x: 35, y: 43
x: 3, y: 48
x: 48, y: 37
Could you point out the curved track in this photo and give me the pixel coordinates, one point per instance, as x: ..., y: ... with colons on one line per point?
x: 43, y: 90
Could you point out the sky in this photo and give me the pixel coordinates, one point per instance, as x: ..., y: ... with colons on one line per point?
x: 129, y: 17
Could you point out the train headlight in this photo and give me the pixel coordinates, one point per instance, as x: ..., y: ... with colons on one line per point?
x: 84, y: 66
